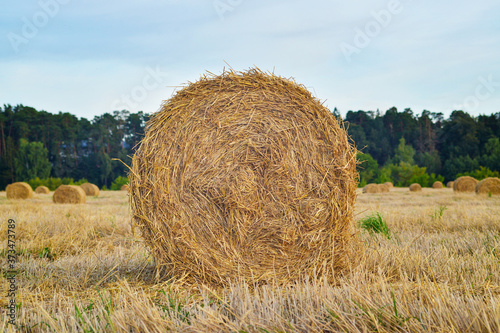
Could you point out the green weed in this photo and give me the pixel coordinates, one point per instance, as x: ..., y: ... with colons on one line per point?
x: 438, y: 214
x: 375, y: 224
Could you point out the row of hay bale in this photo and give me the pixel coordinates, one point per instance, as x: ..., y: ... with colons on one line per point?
x: 470, y: 184
x: 63, y: 194
x: 467, y: 184
x: 417, y: 187
x: 462, y: 184
x: 386, y: 187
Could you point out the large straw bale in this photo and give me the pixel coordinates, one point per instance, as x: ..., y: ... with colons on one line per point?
x: 389, y: 184
x: 450, y: 184
x: 90, y: 189
x: 245, y: 176
x: 465, y: 184
x: 371, y: 188
x: 71, y: 194
x: 42, y: 190
x: 488, y: 185
x: 383, y: 188
x: 19, y: 190
x: 437, y: 184
x: 124, y: 188
x: 416, y: 187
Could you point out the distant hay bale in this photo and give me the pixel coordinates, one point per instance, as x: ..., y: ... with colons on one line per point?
x: 465, y: 184
x: 124, y: 188
x: 391, y: 185
x: 488, y: 185
x: 42, y: 190
x: 437, y: 184
x: 245, y: 177
x: 71, y: 194
x: 415, y: 187
x: 383, y: 188
x: 19, y: 190
x: 450, y: 184
x: 90, y: 189
x: 371, y: 188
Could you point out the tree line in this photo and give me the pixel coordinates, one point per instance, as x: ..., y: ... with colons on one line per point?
x: 403, y: 145
x: 398, y: 146
x: 41, y: 144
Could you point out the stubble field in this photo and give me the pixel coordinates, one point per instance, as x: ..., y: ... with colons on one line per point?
x: 81, y: 268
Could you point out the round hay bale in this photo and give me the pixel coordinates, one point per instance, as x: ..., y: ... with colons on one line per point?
x: 245, y: 176
x: 19, y: 190
x: 42, y: 190
x: 465, y: 184
x: 437, y: 184
x: 450, y: 184
x: 71, y: 194
x: 416, y: 187
x: 90, y: 189
x: 124, y: 188
x: 371, y: 188
x: 488, y: 185
x: 389, y: 184
x: 383, y: 188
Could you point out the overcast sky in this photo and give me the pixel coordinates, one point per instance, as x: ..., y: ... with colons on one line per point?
x: 91, y: 57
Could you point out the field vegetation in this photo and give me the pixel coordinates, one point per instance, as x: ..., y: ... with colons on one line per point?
x: 431, y: 263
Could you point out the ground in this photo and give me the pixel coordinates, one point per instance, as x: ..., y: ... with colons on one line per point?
x: 83, y: 268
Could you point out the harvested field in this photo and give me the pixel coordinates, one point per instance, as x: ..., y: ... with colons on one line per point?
x: 82, y: 268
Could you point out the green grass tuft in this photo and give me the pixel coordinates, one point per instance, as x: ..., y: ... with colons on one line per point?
x: 375, y: 224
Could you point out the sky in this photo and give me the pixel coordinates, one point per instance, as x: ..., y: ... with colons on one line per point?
x: 92, y: 57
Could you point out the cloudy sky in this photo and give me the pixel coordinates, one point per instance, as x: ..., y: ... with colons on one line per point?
x: 91, y: 57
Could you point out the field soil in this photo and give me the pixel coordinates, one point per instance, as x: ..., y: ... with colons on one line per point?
x: 83, y: 268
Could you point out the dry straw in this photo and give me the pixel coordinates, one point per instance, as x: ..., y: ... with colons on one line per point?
x: 465, y: 184
x: 245, y: 176
x: 389, y: 184
x: 383, y: 188
x: 90, y: 189
x: 415, y: 187
x: 124, y: 188
x: 71, y: 194
x: 371, y: 188
x: 19, y: 190
x: 450, y: 184
x: 488, y: 185
x: 437, y: 184
x: 42, y: 190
